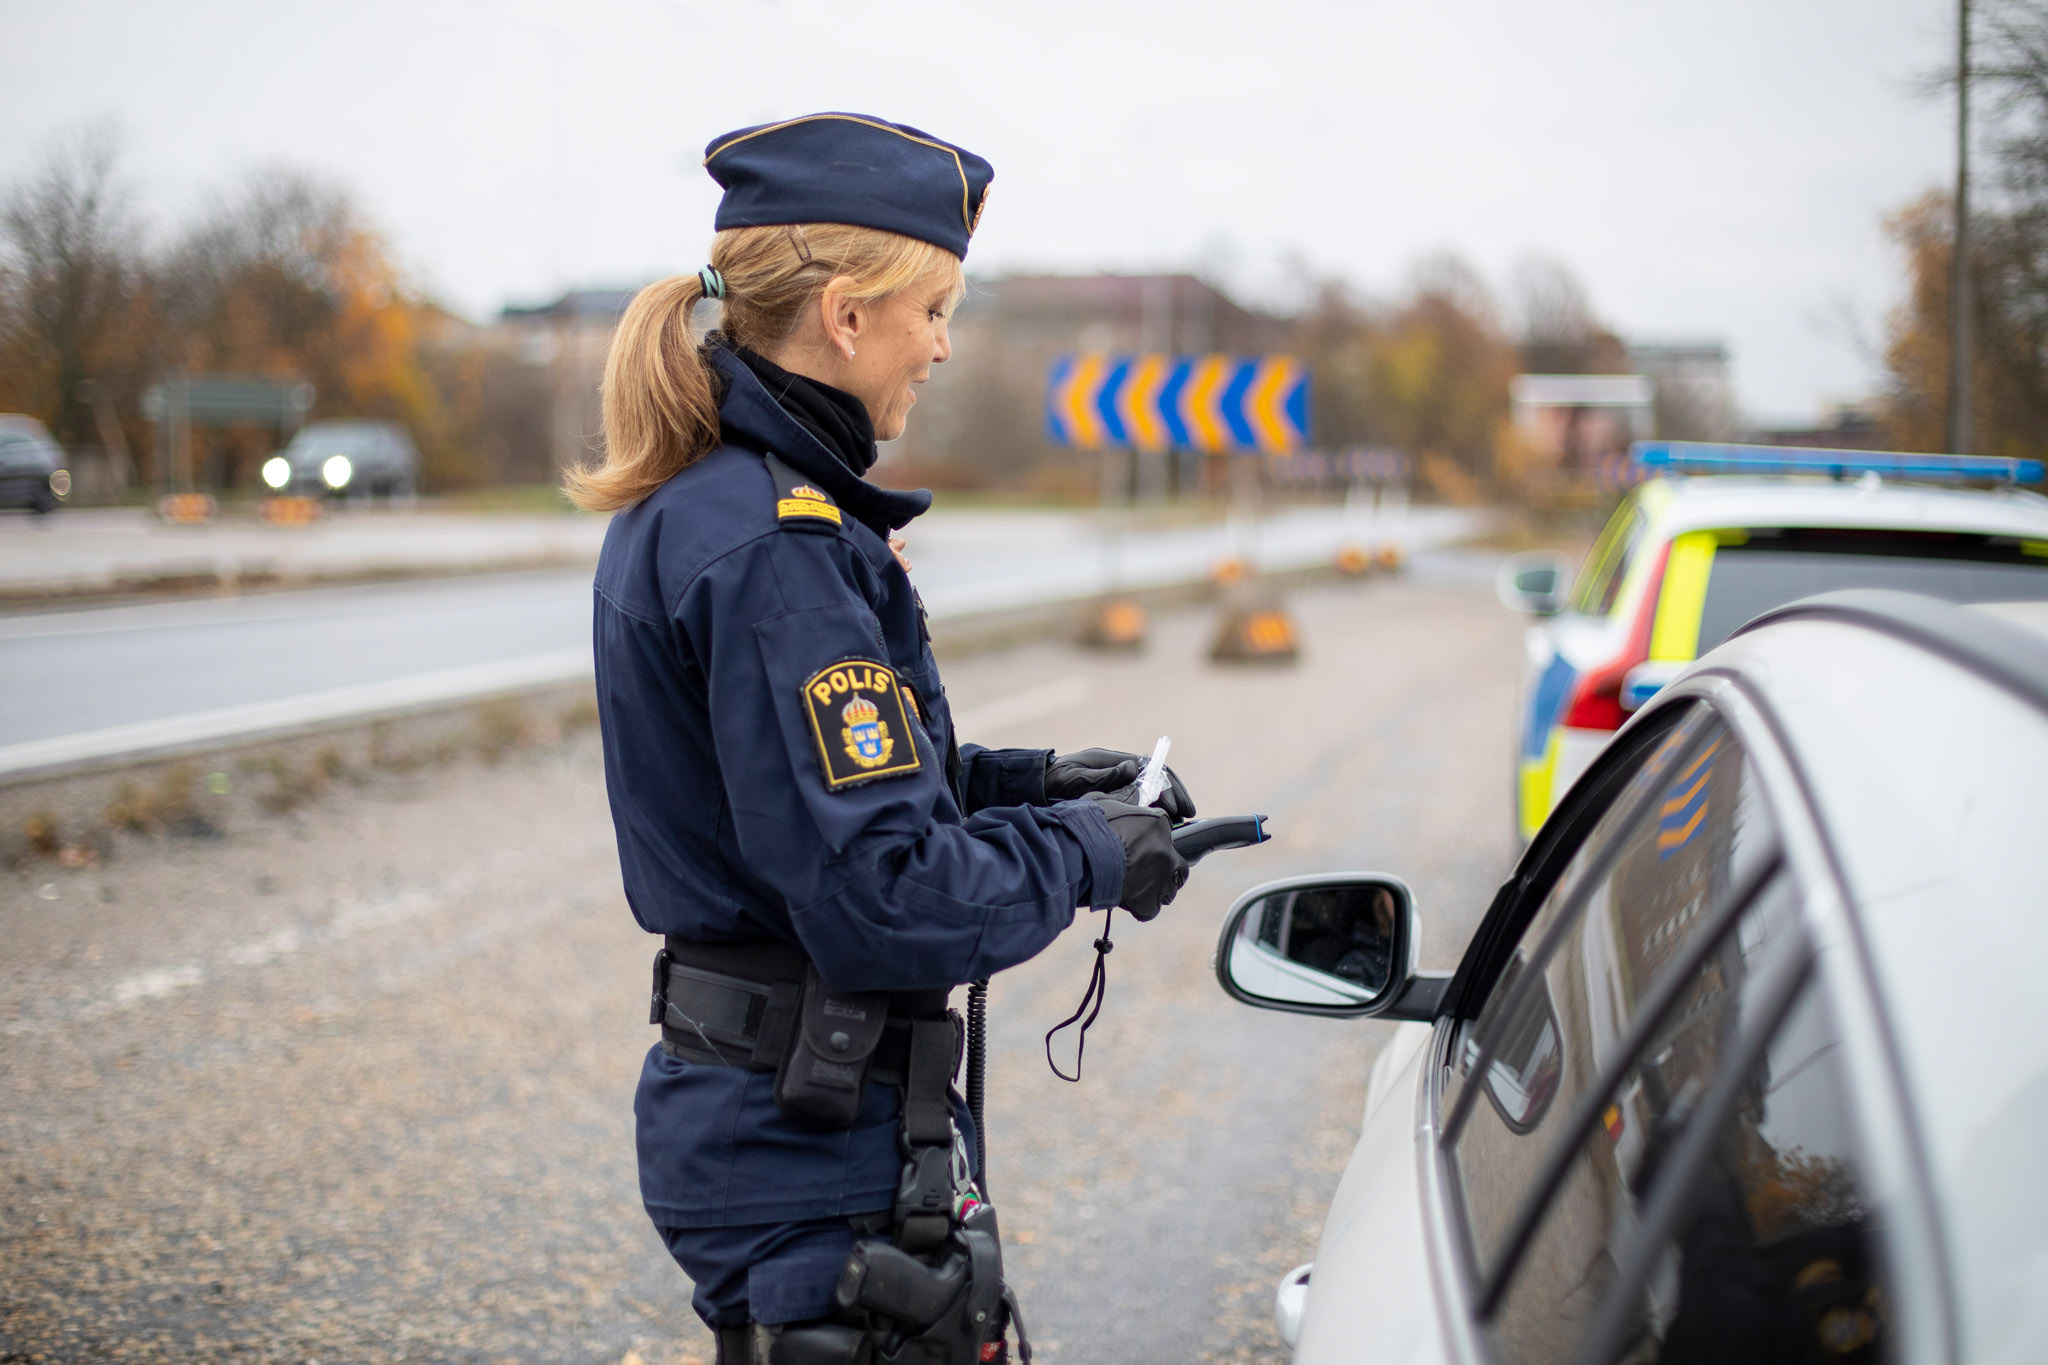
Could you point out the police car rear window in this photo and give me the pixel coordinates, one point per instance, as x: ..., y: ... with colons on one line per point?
x: 1772, y: 567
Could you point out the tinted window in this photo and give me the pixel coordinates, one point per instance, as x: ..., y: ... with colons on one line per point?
x: 1656, y: 865
x: 1570, y: 1262
x: 1607, y: 566
x: 1776, y: 1256
x: 1773, y: 568
x: 23, y: 454
x: 353, y: 441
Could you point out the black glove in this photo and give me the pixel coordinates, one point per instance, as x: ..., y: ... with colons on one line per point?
x: 1114, y: 772
x: 1153, y: 871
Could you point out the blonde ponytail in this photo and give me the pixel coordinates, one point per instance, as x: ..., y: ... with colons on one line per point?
x: 660, y: 404
x: 659, y: 410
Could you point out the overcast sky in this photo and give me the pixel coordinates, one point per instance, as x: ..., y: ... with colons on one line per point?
x: 1718, y: 168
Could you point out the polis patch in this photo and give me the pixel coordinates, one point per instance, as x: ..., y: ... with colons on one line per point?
x: 857, y: 715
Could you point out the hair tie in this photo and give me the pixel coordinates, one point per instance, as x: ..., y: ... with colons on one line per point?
x: 713, y: 282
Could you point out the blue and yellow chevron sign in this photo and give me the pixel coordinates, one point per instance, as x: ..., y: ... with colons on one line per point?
x: 1191, y: 402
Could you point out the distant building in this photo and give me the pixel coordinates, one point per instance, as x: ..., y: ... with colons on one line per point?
x: 1849, y: 427
x: 542, y: 367
x: 1578, y: 423
x: 1695, y: 398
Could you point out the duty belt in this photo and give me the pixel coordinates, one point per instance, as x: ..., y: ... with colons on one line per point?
x: 734, y: 1004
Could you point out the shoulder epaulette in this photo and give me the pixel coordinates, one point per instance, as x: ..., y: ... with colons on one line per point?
x: 799, y: 504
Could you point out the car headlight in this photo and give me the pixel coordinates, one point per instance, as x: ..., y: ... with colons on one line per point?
x: 277, y: 471
x: 60, y: 482
x: 337, y: 471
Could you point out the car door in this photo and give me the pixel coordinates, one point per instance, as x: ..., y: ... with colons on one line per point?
x: 1641, y: 1114
x: 1556, y: 653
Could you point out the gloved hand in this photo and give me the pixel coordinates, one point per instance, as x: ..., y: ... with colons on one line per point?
x: 1153, y: 871
x: 1114, y: 772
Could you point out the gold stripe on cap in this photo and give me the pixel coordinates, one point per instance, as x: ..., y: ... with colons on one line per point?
x: 965, y: 189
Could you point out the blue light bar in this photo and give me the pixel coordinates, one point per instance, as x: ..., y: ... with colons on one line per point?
x: 1702, y: 457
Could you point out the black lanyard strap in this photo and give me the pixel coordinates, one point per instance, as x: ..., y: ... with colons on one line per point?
x: 1091, y: 1005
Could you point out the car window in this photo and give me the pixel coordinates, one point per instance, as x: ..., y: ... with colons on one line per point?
x: 1569, y: 1262
x: 1780, y: 1247
x: 1767, y: 569
x: 353, y: 441
x: 1565, y: 899
x: 1607, y: 566
x: 22, y: 453
x: 1688, y: 829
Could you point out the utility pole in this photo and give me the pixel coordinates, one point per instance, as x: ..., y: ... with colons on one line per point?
x: 1959, y: 339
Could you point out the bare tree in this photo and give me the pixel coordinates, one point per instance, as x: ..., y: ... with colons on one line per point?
x: 264, y: 273
x: 1559, y: 332
x: 72, y: 271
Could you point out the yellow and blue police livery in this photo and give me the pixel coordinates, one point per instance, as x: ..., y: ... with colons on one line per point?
x: 1721, y: 533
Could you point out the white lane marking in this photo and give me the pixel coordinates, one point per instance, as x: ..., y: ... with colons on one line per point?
x: 1030, y: 704
x: 284, y: 715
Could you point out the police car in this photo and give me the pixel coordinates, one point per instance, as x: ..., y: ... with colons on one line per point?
x: 1748, y: 1060
x: 1730, y: 532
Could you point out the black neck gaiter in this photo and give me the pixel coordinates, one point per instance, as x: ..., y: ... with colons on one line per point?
x: 838, y: 419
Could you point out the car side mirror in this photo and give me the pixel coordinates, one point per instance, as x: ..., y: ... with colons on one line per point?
x: 1340, y: 944
x: 1536, y: 582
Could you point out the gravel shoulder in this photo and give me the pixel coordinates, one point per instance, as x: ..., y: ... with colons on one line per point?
x: 353, y: 1083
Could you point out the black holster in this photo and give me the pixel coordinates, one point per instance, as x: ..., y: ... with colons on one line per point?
x: 935, y: 1310
x: 932, y: 1294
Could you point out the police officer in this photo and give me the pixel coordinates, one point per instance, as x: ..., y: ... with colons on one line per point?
x: 824, y: 859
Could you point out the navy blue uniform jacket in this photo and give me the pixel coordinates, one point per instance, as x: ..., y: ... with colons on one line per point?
x: 741, y: 815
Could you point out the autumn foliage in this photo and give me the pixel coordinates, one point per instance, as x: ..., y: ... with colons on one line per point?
x: 1427, y: 374
x: 282, y: 278
x: 2008, y: 260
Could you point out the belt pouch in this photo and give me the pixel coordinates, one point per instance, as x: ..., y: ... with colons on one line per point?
x: 826, y: 1063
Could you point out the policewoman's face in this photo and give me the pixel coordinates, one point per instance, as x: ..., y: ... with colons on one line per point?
x: 904, y: 337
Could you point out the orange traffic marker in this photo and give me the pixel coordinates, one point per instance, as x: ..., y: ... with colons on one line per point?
x: 1256, y: 634
x: 186, y: 509
x: 289, y: 511
x: 1353, y: 561
x: 1116, y: 623
x: 1391, y: 557
x: 1229, y: 570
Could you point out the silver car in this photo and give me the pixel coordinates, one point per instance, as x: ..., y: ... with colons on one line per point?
x: 1748, y: 1060
x: 352, y: 458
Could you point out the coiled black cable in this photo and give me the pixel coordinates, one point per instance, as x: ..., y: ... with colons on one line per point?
x: 977, y: 1075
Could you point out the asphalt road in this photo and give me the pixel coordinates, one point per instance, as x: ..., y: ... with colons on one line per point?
x: 354, y: 1084
x: 67, y: 672
x: 83, y: 671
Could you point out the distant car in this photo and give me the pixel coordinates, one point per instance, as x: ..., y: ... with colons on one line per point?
x: 1747, y: 1061
x: 32, y: 472
x: 1737, y: 530
x: 346, y: 459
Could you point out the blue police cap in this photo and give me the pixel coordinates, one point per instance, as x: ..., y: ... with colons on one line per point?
x: 849, y: 168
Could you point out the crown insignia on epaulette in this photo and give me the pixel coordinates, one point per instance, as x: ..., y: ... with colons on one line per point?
x: 804, y: 490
